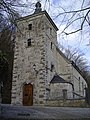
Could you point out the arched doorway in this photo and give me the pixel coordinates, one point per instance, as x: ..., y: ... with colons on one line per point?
x: 28, y: 95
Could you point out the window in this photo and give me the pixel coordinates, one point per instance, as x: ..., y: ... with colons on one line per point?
x: 82, y: 88
x: 51, y: 45
x: 64, y: 93
x: 52, y: 67
x: 29, y: 42
x: 30, y: 26
x: 50, y: 31
x: 79, y: 85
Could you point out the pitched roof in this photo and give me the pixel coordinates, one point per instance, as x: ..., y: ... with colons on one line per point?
x: 37, y: 14
x: 58, y: 79
x: 63, y: 55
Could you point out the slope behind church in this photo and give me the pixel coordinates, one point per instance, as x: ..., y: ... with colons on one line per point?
x: 41, y: 72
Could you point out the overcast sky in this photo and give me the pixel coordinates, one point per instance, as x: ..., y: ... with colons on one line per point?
x: 80, y: 40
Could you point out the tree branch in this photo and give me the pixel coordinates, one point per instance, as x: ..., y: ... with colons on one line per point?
x: 80, y: 10
x: 85, y: 19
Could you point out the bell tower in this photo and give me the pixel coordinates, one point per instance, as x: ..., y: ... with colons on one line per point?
x: 34, y: 55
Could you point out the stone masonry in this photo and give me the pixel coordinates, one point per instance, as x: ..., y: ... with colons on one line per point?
x: 38, y: 55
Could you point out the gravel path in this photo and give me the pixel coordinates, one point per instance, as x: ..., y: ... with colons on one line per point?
x: 43, y: 113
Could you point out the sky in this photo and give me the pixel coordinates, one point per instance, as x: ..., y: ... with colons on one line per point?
x: 79, y: 40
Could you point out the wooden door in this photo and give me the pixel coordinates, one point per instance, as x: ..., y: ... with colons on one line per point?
x: 28, y: 95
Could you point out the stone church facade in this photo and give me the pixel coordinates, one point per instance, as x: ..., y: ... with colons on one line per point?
x: 41, y: 72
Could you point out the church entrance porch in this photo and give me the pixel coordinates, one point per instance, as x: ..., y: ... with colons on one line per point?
x: 28, y: 95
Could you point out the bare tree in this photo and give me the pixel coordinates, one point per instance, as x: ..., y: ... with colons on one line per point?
x: 74, y: 17
x: 10, y: 10
x: 79, y: 14
x: 84, y: 19
x: 74, y: 54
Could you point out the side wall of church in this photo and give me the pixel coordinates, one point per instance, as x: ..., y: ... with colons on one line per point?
x: 63, y: 67
x: 58, y: 91
x: 70, y: 74
x: 51, y: 41
x: 79, y: 83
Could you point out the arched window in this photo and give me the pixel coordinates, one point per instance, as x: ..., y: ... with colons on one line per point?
x: 30, y: 27
x: 29, y: 42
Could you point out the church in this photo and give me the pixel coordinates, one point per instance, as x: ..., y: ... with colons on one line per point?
x: 42, y: 75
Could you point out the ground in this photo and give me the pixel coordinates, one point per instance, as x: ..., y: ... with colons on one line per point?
x: 43, y: 113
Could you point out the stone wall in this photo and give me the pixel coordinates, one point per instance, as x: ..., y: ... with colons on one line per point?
x: 79, y: 82
x: 70, y: 74
x: 66, y: 103
x: 51, y: 42
x: 39, y: 54
x: 27, y: 56
x: 57, y: 91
